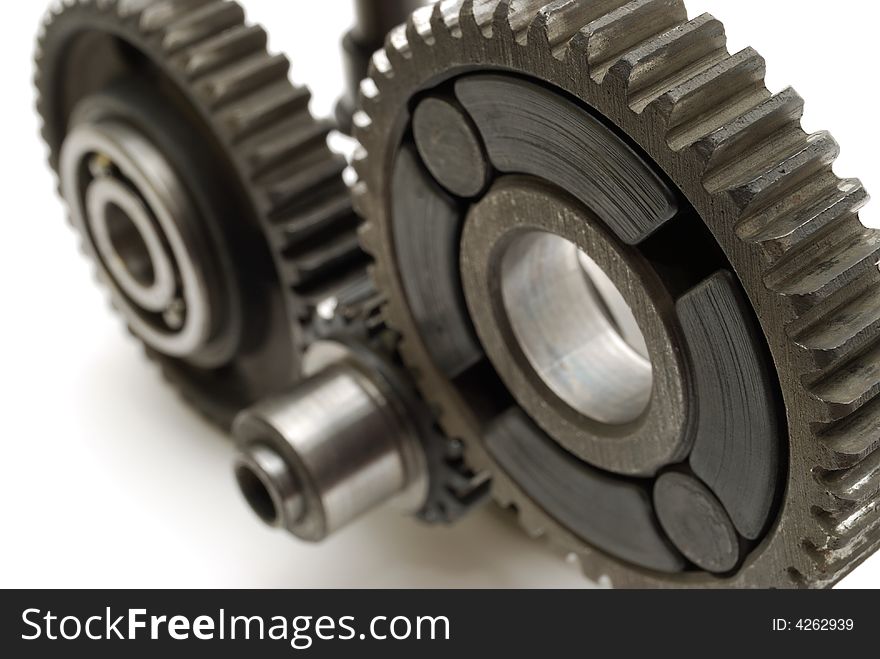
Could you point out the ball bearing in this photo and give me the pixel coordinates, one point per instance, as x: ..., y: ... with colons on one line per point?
x: 140, y: 227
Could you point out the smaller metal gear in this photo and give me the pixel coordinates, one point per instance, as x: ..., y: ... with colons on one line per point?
x: 354, y: 317
x: 298, y: 450
x: 201, y: 185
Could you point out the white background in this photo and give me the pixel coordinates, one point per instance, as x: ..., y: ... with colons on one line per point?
x: 107, y: 480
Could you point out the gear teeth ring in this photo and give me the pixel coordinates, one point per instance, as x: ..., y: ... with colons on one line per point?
x: 765, y: 187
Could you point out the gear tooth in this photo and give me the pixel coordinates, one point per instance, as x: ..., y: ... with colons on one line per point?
x: 361, y: 164
x: 500, y: 19
x: 206, y: 21
x: 668, y: 60
x: 474, y: 17
x: 380, y: 69
x: 846, y: 529
x: 848, y: 386
x: 369, y: 97
x: 841, y: 324
x: 766, y: 175
x: 854, y: 486
x: 556, y: 23
x: 309, y: 265
x: 397, y: 45
x: 239, y: 79
x: 517, y: 15
x: 361, y: 120
x: 728, y: 143
x: 844, y: 535
x: 283, y: 187
x: 594, y: 571
x: 532, y: 522
x: 271, y: 105
x: 503, y: 492
x: 444, y: 19
x: 832, y: 564
x: 713, y: 98
x: 606, y: 38
x: 125, y: 8
x: 419, y: 27
x: 826, y: 261
x: 221, y: 50
x: 157, y: 16
x: 367, y: 231
x: 822, y: 200
x: 548, y: 26
x: 332, y: 214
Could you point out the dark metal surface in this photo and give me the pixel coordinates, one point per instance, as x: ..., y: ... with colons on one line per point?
x: 696, y: 522
x: 531, y: 130
x: 427, y: 224
x: 450, y: 146
x: 613, y: 515
x: 736, y: 448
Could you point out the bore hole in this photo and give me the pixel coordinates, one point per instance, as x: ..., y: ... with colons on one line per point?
x: 129, y: 246
x: 257, y: 494
x: 576, y: 329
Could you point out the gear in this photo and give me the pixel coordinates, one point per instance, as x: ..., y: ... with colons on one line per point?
x: 203, y: 187
x: 296, y: 452
x: 353, y: 317
x: 733, y: 439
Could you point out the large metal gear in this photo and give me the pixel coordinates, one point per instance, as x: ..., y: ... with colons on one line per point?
x: 727, y: 434
x: 202, y: 186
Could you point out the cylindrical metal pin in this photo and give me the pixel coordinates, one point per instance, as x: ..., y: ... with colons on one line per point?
x: 333, y: 448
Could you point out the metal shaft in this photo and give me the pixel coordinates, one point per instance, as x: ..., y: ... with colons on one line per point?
x: 333, y: 448
x: 373, y: 20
